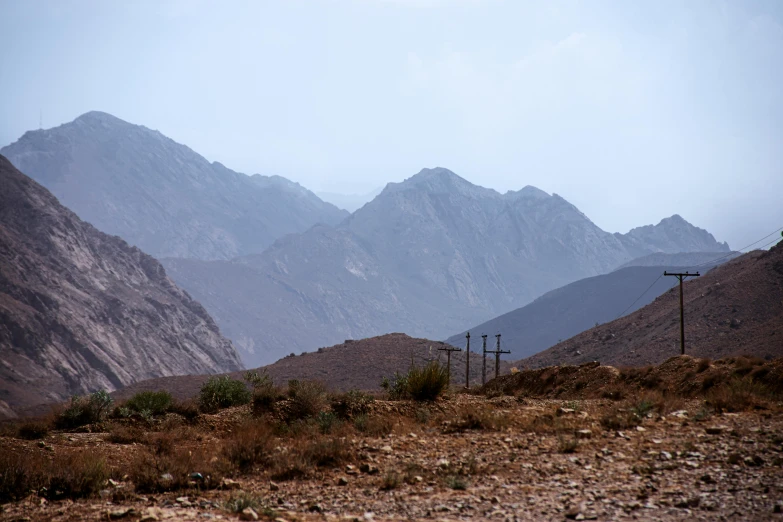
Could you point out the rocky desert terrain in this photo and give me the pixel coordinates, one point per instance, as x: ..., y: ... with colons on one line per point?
x: 581, y: 442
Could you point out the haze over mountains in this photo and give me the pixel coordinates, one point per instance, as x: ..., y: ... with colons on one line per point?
x: 735, y: 309
x: 569, y: 310
x: 81, y: 310
x: 161, y: 196
x: 428, y: 256
x: 281, y: 271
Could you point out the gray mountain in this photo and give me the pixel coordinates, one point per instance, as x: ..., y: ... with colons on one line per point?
x: 427, y: 256
x: 689, y: 260
x: 81, y: 310
x: 161, y: 196
x: 349, y: 202
x: 578, y: 306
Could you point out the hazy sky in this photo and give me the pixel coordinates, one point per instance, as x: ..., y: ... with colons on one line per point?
x: 632, y: 110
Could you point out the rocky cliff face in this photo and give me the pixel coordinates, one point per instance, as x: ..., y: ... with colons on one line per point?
x: 161, y: 196
x: 428, y: 256
x: 82, y: 311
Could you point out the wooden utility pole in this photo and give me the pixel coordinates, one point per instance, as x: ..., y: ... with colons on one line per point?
x: 680, y: 276
x: 484, y: 361
x: 467, y: 362
x: 497, y: 353
x: 448, y: 350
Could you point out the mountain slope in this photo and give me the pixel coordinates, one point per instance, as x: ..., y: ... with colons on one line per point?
x: 734, y: 309
x: 574, y: 308
x: 427, y: 256
x: 81, y: 310
x: 161, y: 196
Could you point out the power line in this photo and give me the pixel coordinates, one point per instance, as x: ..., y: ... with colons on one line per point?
x: 700, y: 265
x: 640, y: 296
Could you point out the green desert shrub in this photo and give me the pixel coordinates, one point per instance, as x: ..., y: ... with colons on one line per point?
x: 425, y: 383
x: 154, y: 402
x: 84, y: 410
x: 222, y: 392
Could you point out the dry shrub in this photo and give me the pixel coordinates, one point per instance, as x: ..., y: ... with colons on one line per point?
x: 33, y: 430
x: 76, y: 475
x: 304, y: 455
x: 19, y: 475
x: 306, y: 399
x: 249, y: 445
x: 164, y: 469
x: 738, y: 395
x: 373, y: 425
x: 391, y: 480
x: 124, y: 434
x: 478, y: 418
x: 351, y: 404
x: 567, y: 445
x: 187, y: 409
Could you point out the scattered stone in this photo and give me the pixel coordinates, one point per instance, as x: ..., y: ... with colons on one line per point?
x: 273, y: 486
x: 584, y: 434
x: 342, y: 481
x: 248, y: 514
x: 443, y: 463
x: 715, y: 430
x: 120, y: 513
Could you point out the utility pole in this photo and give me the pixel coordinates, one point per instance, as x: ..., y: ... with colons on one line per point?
x: 448, y: 350
x: 484, y: 361
x: 680, y: 276
x: 497, y: 353
x: 467, y: 362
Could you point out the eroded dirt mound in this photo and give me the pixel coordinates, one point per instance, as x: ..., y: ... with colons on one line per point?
x: 683, y: 376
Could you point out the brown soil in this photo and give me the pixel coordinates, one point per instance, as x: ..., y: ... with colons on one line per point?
x: 473, y: 457
x: 735, y: 309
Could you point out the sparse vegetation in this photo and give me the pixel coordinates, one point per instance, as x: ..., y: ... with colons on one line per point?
x: 84, y: 410
x: 306, y: 399
x: 352, y: 403
x: 240, y: 501
x: 425, y: 383
x: 249, y: 445
x: 391, y: 480
x: 222, y: 392
x: 33, y: 430
x: 152, y: 403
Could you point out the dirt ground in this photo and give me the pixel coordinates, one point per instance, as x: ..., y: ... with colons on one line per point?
x: 466, y: 458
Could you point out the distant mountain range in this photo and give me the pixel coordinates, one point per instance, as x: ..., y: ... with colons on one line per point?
x: 735, y: 309
x: 161, y: 196
x: 427, y: 256
x: 576, y: 307
x: 81, y: 310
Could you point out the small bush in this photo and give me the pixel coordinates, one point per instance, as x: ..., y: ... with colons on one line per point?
x: 425, y: 383
x: 173, y: 469
x: 306, y: 399
x: 33, y: 430
x: 240, y: 501
x: 327, y: 421
x: 155, y: 402
x: 187, y: 409
x: 738, y: 395
x: 456, y: 482
x: 373, y: 426
x: 249, y: 445
x: 566, y: 445
x: 84, y: 410
x: 121, y: 434
x: 323, y: 452
x: 76, y: 476
x: 391, y: 480
x: 352, y: 403
x: 222, y: 392
x: 19, y: 475
x: 474, y: 418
